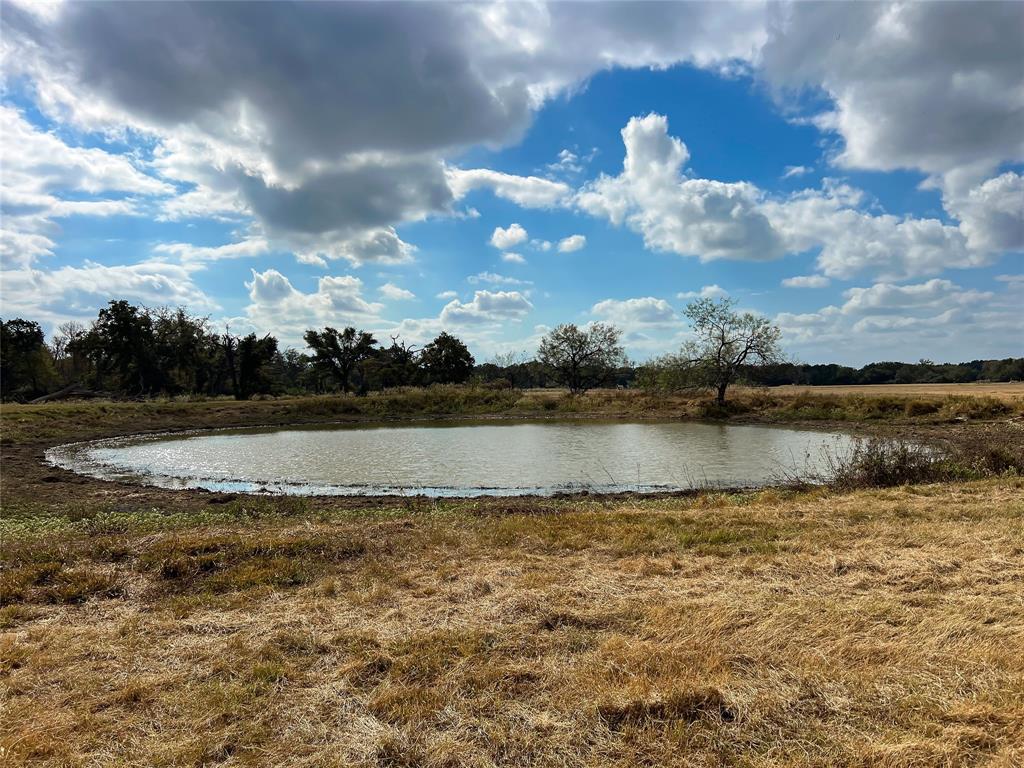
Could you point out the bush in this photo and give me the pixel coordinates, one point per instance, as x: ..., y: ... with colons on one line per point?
x: 881, y: 463
x: 920, y: 407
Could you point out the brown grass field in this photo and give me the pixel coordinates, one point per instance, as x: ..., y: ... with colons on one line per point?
x: 875, y: 627
x: 1002, y: 390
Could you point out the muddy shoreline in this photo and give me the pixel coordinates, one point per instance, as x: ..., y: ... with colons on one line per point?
x: 27, y: 478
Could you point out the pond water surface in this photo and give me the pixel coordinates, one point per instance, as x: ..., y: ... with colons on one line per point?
x: 459, y: 458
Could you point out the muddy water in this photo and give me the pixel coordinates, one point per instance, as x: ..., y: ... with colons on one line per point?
x: 459, y: 458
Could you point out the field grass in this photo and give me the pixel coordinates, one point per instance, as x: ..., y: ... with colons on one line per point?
x: 25, y: 424
x: 1012, y: 391
x: 820, y: 627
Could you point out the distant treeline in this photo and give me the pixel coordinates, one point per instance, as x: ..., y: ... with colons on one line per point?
x: 138, y: 352
x: 922, y: 372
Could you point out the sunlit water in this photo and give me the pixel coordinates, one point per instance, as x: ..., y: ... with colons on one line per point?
x: 460, y: 458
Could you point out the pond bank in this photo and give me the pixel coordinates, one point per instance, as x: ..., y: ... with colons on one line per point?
x: 27, y: 483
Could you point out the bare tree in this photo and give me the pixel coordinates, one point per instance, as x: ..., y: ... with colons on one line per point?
x: 726, y: 341
x: 581, y: 358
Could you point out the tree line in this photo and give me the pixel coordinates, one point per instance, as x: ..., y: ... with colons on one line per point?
x: 139, y: 352
x: 131, y: 351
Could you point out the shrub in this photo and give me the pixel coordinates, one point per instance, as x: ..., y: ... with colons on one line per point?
x: 920, y: 407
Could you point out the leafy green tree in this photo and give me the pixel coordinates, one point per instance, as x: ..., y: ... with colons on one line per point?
x: 254, y: 356
x: 26, y: 365
x: 122, y: 348
x: 340, y: 355
x: 185, y: 349
x: 446, y: 360
x: 582, y: 358
x: 394, y: 366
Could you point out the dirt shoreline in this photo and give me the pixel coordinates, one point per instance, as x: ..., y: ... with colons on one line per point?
x: 26, y: 464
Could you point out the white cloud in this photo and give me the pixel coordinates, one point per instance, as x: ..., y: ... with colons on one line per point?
x: 375, y: 246
x: 992, y: 214
x: 495, y: 279
x: 572, y: 243
x: 692, y: 217
x: 513, y: 258
x: 36, y: 165
x: 713, y: 291
x: 395, y: 293
x: 889, y: 298
x: 447, y: 295
x: 793, y: 171
x: 568, y: 162
x: 487, y: 307
x: 806, y: 281
x: 39, y: 161
x: 251, y: 246
x: 632, y: 312
x: 525, y: 191
x: 52, y: 296
x: 276, y: 306
x: 936, y: 319
x: 930, y: 86
x: 717, y: 220
x: 509, y: 237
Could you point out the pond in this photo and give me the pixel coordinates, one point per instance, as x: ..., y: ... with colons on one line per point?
x: 459, y: 458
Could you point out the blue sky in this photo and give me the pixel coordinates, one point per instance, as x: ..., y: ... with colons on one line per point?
x: 851, y: 188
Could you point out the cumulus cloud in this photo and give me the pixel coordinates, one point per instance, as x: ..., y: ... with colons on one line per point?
x: 487, y: 307
x: 66, y: 293
x: 508, y: 237
x: 713, y: 291
x: 447, y: 295
x: 572, y: 243
x: 889, y: 298
x: 632, y: 312
x: 377, y: 246
x: 692, y: 217
x: 218, y: 93
x: 806, y: 281
x: 396, y: 293
x: 712, y: 220
x: 930, y: 86
x: 249, y: 247
x: 227, y: 129
x: 513, y: 258
x: 992, y: 214
x: 275, y: 305
x: 525, y: 191
x: 937, y: 319
x: 568, y: 162
x: 853, y: 241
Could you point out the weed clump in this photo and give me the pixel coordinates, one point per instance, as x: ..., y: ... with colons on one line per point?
x: 883, y: 463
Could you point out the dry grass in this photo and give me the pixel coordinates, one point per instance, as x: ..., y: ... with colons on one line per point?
x: 1011, y: 390
x: 141, y: 627
x: 877, y: 627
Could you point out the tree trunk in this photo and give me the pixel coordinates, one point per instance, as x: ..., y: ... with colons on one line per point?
x: 721, y: 393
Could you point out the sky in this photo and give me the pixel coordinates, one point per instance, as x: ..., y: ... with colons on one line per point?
x: 852, y: 171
